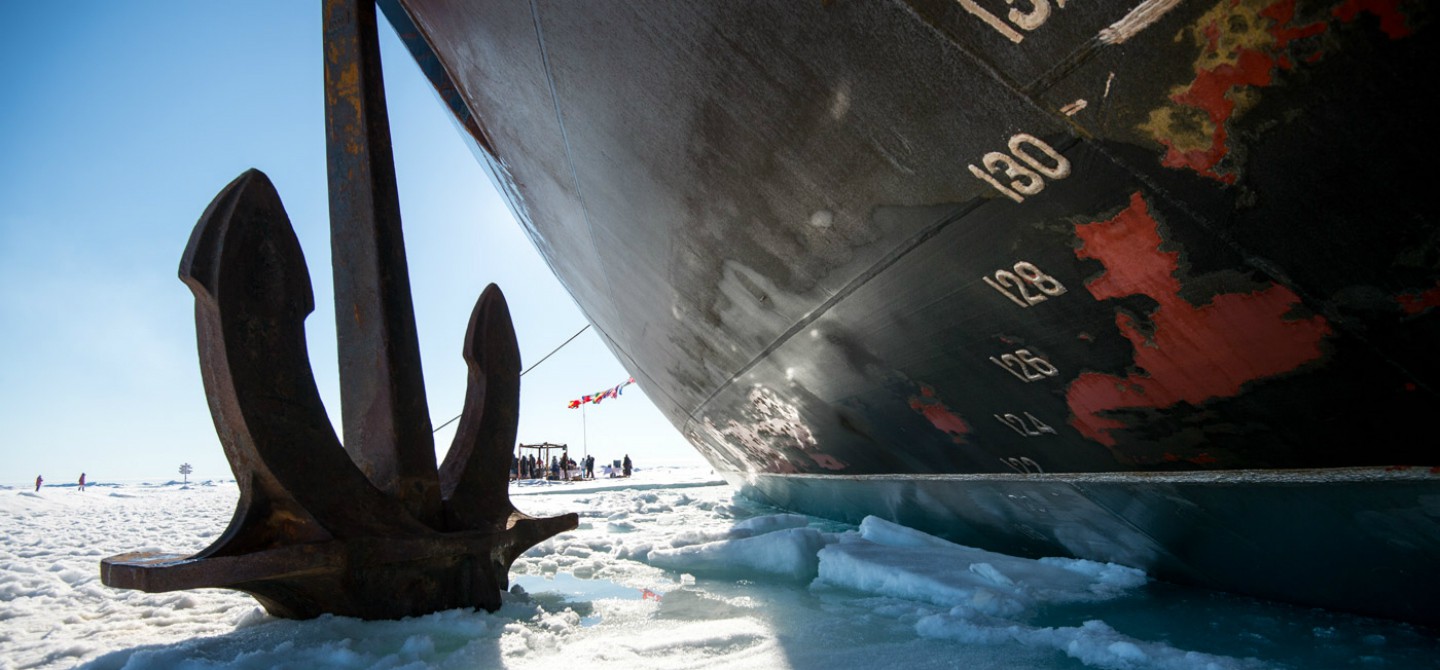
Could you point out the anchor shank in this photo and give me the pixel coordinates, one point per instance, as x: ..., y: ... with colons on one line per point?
x: 387, y: 429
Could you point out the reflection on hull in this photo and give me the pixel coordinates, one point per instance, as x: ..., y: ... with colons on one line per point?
x: 1185, y: 249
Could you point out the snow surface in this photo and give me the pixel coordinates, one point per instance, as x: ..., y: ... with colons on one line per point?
x: 668, y: 569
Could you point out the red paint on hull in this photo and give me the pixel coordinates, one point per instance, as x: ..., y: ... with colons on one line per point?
x: 1415, y: 303
x: 1392, y: 22
x: 1192, y: 353
x: 939, y: 415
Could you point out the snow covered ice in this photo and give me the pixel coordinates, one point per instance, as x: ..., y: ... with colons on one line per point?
x: 668, y: 569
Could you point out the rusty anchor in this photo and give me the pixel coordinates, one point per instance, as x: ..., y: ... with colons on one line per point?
x: 372, y: 529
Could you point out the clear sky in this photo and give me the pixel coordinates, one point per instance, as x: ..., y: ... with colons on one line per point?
x: 119, y: 122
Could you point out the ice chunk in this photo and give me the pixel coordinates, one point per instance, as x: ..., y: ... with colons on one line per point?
x: 1093, y: 643
x: 920, y: 574
x: 772, y: 522
x: 891, y: 560
x: 748, y: 528
x: 790, y: 553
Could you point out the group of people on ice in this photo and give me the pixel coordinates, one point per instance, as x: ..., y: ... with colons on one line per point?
x: 562, y: 468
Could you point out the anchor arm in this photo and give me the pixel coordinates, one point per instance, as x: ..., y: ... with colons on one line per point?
x: 252, y: 294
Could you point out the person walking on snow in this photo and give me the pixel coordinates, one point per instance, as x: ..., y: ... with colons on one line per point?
x: 82, y: 481
x: 38, y: 481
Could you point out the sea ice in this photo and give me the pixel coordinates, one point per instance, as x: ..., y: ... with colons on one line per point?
x: 699, y: 578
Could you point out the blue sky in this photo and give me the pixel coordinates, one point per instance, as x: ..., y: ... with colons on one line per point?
x: 118, y: 124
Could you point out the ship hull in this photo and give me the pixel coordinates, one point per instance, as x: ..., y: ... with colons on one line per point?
x: 1352, y: 539
x: 1171, y: 268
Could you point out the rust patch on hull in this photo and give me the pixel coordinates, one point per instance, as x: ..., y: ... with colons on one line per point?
x: 773, y: 431
x: 1243, y: 44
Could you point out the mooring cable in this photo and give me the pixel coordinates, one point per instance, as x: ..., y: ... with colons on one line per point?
x: 522, y: 373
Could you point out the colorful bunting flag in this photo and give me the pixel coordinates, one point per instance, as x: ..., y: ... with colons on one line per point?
x: 597, y: 396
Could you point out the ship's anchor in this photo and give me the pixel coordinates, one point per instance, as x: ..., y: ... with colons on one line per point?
x: 372, y: 529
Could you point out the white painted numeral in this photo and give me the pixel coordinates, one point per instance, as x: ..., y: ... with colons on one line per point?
x: 1058, y: 167
x: 1034, y: 428
x: 1025, y: 274
x: 1039, y: 11
x: 1026, y: 367
x: 1030, y: 161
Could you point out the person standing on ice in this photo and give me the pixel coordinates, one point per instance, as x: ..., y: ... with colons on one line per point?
x: 627, y: 465
x: 82, y: 481
x: 38, y: 481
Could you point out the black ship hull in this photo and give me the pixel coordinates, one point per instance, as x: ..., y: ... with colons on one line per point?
x: 1154, y: 282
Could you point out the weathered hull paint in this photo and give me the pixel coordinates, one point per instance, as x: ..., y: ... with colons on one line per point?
x: 1174, y: 355
x: 849, y: 245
